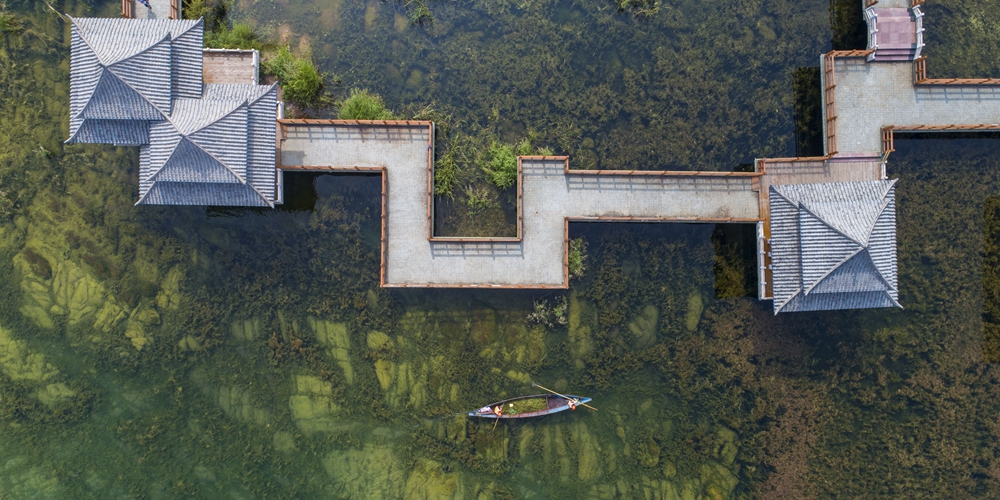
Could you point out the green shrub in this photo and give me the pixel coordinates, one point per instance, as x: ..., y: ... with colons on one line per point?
x: 502, y: 168
x: 418, y: 12
x: 364, y: 105
x: 300, y: 82
x: 10, y: 24
x: 577, y: 258
x: 240, y: 36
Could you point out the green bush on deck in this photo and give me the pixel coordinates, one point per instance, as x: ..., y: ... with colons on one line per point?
x: 300, y: 81
x: 364, y: 105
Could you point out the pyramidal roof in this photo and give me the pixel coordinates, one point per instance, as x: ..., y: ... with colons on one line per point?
x: 139, y: 82
x: 833, y: 246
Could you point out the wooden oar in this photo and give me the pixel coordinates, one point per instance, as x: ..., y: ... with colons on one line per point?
x: 562, y: 396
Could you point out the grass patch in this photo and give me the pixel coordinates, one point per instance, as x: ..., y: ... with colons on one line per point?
x: 364, y: 105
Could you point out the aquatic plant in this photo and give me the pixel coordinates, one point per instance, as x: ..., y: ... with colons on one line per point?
x: 549, y: 315
x: 577, y: 257
x: 418, y: 13
x: 214, y: 12
x: 501, y: 170
x: 991, y: 280
x: 362, y: 104
x: 301, y: 83
x: 479, y: 200
x: 10, y: 23
x: 240, y: 36
x: 639, y: 8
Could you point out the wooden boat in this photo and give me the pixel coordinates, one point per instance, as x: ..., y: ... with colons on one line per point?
x: 529, y: 406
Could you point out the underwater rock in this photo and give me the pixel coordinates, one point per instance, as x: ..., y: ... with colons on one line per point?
x: 312, y: 406
x: 237, y: 403
x: 694, y: 310
x: 169, y: 298
x: 20, y: 480
x: 520, y: 377
x: 581, y: 344
x: 377, y: 340
x: 725, y: 445
x: 284, y: 441
x: 718, y: 482
x: 403, y: 383
x: 371, y: 473
x: 524, y: 441
x: 334, y: 335
x: 429, y: 481
x: 246, y: 330
x: 492, y: 445
x: 650, y: 453
x: 53, y: 395
x: 19, y: 363
x: 644, y: 327
x: 587, y: 449
x: 556, y: 459
x: 143, y: 317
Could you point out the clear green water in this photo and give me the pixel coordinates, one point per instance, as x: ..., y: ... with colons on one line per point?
x: 183, y: 352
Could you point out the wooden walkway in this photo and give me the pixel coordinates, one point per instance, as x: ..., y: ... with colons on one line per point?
x: 551, y: 196
x: 865, y: 102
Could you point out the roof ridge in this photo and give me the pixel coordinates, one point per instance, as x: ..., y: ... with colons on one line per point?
x: 213, y: 122
x: 238, y: 176
x: 778, y: 308
x: 196, y: 145
x: 107, y: 69
x: 261, y: 96
x: 81, y: 31
x: 868, y: 234
x: 143, y: 51
x: 805, y: 207
x: 832, y: 269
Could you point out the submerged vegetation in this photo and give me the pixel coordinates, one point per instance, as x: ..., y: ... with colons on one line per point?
x: 364, y: 105
x: 248, y: 353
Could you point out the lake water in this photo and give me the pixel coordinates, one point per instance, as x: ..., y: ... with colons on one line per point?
x: 171, y: 352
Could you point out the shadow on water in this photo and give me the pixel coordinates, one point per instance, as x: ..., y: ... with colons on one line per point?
x: 850, y: 32
x: 808, y: 114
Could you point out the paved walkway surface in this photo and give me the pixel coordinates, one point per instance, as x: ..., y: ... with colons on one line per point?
x: 550, y: 196
x: 872, y: 95
x: 158, y: 9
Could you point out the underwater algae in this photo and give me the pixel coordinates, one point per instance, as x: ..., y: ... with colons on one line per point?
x: 175, y: 352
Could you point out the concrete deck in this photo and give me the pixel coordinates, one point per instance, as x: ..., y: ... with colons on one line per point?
x: 872, y: 95
x: 158, y: 9
x: 551, y: 197
x: 230, y: 66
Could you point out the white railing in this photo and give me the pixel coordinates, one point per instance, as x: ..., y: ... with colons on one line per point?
x: 872, y: 19
x: 761, y: 264
x: 920, y: 29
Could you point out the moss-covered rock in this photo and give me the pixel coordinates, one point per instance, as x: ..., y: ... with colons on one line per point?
x: 581, y: 342
x: 313, y: 408
x: 695, y: 306
x: 373, y: 472
x: 334, y: 336
x: 429, y: 481
x: 644, y: 327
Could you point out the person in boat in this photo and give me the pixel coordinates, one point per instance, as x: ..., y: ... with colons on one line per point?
x: 573, y: 403
x: 498, y: 410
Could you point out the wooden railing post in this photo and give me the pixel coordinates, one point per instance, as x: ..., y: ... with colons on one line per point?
x: 920, y: 69
x: 175, y: 9
x: 127, y: 9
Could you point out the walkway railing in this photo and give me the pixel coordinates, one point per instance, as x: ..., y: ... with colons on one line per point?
x: 920, y: 77
x: 830, y: 94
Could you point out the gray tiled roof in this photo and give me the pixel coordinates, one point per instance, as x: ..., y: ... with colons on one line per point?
x: 139, y: 82
x: 213, y: 142
x: 833, y: 246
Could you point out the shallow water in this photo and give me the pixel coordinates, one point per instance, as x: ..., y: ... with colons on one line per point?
x: 186, y: 352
